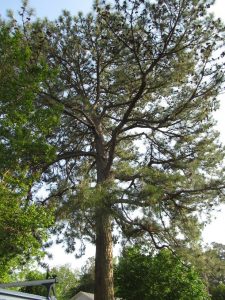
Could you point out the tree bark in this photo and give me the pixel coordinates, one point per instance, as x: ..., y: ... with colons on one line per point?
x: 104, y: 257
x: 104, y: 289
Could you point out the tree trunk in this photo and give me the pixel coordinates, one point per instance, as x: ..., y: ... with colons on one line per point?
x: 104, y: 289
x: 104, y: 257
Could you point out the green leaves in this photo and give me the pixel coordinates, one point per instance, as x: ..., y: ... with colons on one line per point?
x: 24, y: 126
x: 156, y: 276
x: 23, y: 225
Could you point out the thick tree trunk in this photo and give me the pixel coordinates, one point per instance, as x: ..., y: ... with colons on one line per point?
x: 104, y: 257
x: 104, y: 289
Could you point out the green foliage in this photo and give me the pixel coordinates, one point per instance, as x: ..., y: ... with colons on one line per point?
x: 139, y: 275
x: 23, y: 228
x: 86, y: 279
x: 218, y: 292
x: 67, y: 279
x: 23, y: 129
x: 23, y: 125
x: 30, y: 275
x: 215, y: 263
x: 211, y: 265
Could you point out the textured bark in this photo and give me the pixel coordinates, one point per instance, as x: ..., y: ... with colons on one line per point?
x: 104, y: 258
x: 104, y: 289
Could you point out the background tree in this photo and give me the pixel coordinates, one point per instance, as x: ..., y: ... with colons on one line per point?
x: 156, y: 276
x: 66, y: 280
x: 217, y: 292
x: 29, y: 275
x: 211, y: 265
x: 23, y: 223
x: 136, y: 149
x: 86, y: 278
x: 215, y: 259
x: 23, y: 231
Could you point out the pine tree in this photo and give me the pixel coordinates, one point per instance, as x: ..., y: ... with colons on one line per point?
x: 137, y: 155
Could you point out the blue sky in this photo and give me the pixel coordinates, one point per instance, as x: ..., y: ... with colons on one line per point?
x: 48, y: 8
x: 53, y: 8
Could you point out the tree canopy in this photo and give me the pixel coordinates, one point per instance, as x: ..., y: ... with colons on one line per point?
x: 135, y: 150
x: 211, y: 266
x: 23, y: 223
x: 157, y: 277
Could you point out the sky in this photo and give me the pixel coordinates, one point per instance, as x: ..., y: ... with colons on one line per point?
x: 48, y: 8
x: 215, y: 232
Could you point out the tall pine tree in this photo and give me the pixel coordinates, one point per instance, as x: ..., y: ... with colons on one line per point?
x: 136, y: 149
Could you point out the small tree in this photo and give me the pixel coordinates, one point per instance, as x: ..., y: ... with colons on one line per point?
x: 156, y: 277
